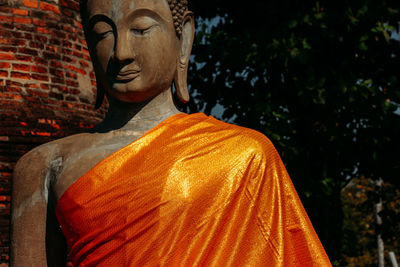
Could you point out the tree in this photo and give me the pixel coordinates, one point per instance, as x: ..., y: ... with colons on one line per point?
x: 319, y: 78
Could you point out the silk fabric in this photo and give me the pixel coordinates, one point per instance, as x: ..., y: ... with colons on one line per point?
x: 193, y: 191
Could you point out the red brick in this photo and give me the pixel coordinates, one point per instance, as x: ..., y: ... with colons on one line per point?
x: 5, y: 33
x: 83, y: 63
x: 71, y: 75
x: 31, y: 85
x: 14, y: 89
x: 72, y: 83
x: 67, y: 13
x: 70, y: 4
x: 41, y: 60
x: 48, y: 101
x: 43, y: 134
x: 68, y: 59
x: 56, y: 96
x: 36, y: 45
x: 21, y: 12
x: 17, y: 34
x: 72, y: 37
x: 79, y: 25
x: 59, y: 34
x: 67, y: 28
x: 56, y: 64
x: 3, y: 73
x: 49, y: 7
x: 4, y: 65
x: 28, y: 51
x: 58, y: 73
x: 60, y: 88
x: 42, y: 30
x: 37, y: 93
x: 24, y: 27
x: 67, y: 44
x: 27, y: 36
x: 19, y: 75
x: 18, y: 42
x: 8, y: 49
x: 20, y: 67
x: 13, y: 83
x: 77, y: 54
x: 5, y: 9
x: 13, y: 42
x: 41, y: 38
x: 22, y: 20
x: 52, y: 48
x: 16, y: 97
x: 75, y: 69
x: 57, y: 80
x: 6, y: 25
x: 40, y: 77
x: 38, y: 22
x: 39, y: 69
x: 23, y: 58
x: 49, y: 55
x: 7, y: 56
x: 83, y: 42
x: 6, y: 19
x: 54, y: 41
x: 44, y: 86
x: 30, y: 3
x: 71, y: 98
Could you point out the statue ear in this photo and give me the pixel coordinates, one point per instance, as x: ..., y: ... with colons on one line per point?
x: 100, y: 89
x: 100, y: 95
x: 186, y: 42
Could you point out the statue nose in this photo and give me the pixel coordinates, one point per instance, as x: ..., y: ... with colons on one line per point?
x: 123, y: 51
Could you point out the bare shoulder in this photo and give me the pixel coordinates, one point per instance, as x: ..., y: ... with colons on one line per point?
x: 33, y: 166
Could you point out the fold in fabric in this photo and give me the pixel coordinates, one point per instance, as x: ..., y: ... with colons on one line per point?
x: 193, y: 191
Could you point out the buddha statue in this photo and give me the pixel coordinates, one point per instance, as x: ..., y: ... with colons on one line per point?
x: 151, y: 185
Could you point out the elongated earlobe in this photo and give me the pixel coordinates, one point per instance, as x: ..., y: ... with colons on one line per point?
x: 182, y: 66
x: 99, y: 95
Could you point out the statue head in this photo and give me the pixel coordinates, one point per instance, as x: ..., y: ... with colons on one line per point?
x: 138, y: 47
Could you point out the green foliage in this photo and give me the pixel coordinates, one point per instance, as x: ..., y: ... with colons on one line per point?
x: 359, y: 229
x: 319, y: 78
x: 359, y: 245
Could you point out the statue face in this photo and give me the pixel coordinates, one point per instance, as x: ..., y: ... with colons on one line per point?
x: 134, y: 47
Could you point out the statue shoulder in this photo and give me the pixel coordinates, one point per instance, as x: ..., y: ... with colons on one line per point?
x: 38, y: 161
x: 250, y: 140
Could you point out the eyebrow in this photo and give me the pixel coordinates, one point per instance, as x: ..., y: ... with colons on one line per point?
x: 100, y: 17
x: 146, y: 12
x: 137, y: 12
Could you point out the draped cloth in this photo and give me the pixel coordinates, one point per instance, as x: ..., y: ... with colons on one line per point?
x: 193, y: 191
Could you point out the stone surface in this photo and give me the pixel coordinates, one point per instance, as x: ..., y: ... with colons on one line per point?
x: 47, y: 86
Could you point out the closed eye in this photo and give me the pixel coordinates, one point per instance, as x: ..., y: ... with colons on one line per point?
x: 141, y: 32
x: 105, y: 34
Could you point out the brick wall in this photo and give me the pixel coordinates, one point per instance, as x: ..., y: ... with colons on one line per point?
x: 47, y: 87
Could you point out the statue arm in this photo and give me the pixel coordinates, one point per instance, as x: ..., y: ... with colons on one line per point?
x: 35, y: 237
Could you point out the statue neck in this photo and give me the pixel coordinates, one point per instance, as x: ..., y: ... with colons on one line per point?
x: 139, y: 117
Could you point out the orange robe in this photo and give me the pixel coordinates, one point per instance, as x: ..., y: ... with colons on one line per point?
x: 193, y: 191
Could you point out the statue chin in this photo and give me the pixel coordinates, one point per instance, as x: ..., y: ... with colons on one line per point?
x: 134, y: 94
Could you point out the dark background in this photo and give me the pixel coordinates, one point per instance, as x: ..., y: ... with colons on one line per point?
x: 321, y: 80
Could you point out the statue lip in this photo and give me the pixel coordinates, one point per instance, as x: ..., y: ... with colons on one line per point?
x: 127, y: 75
